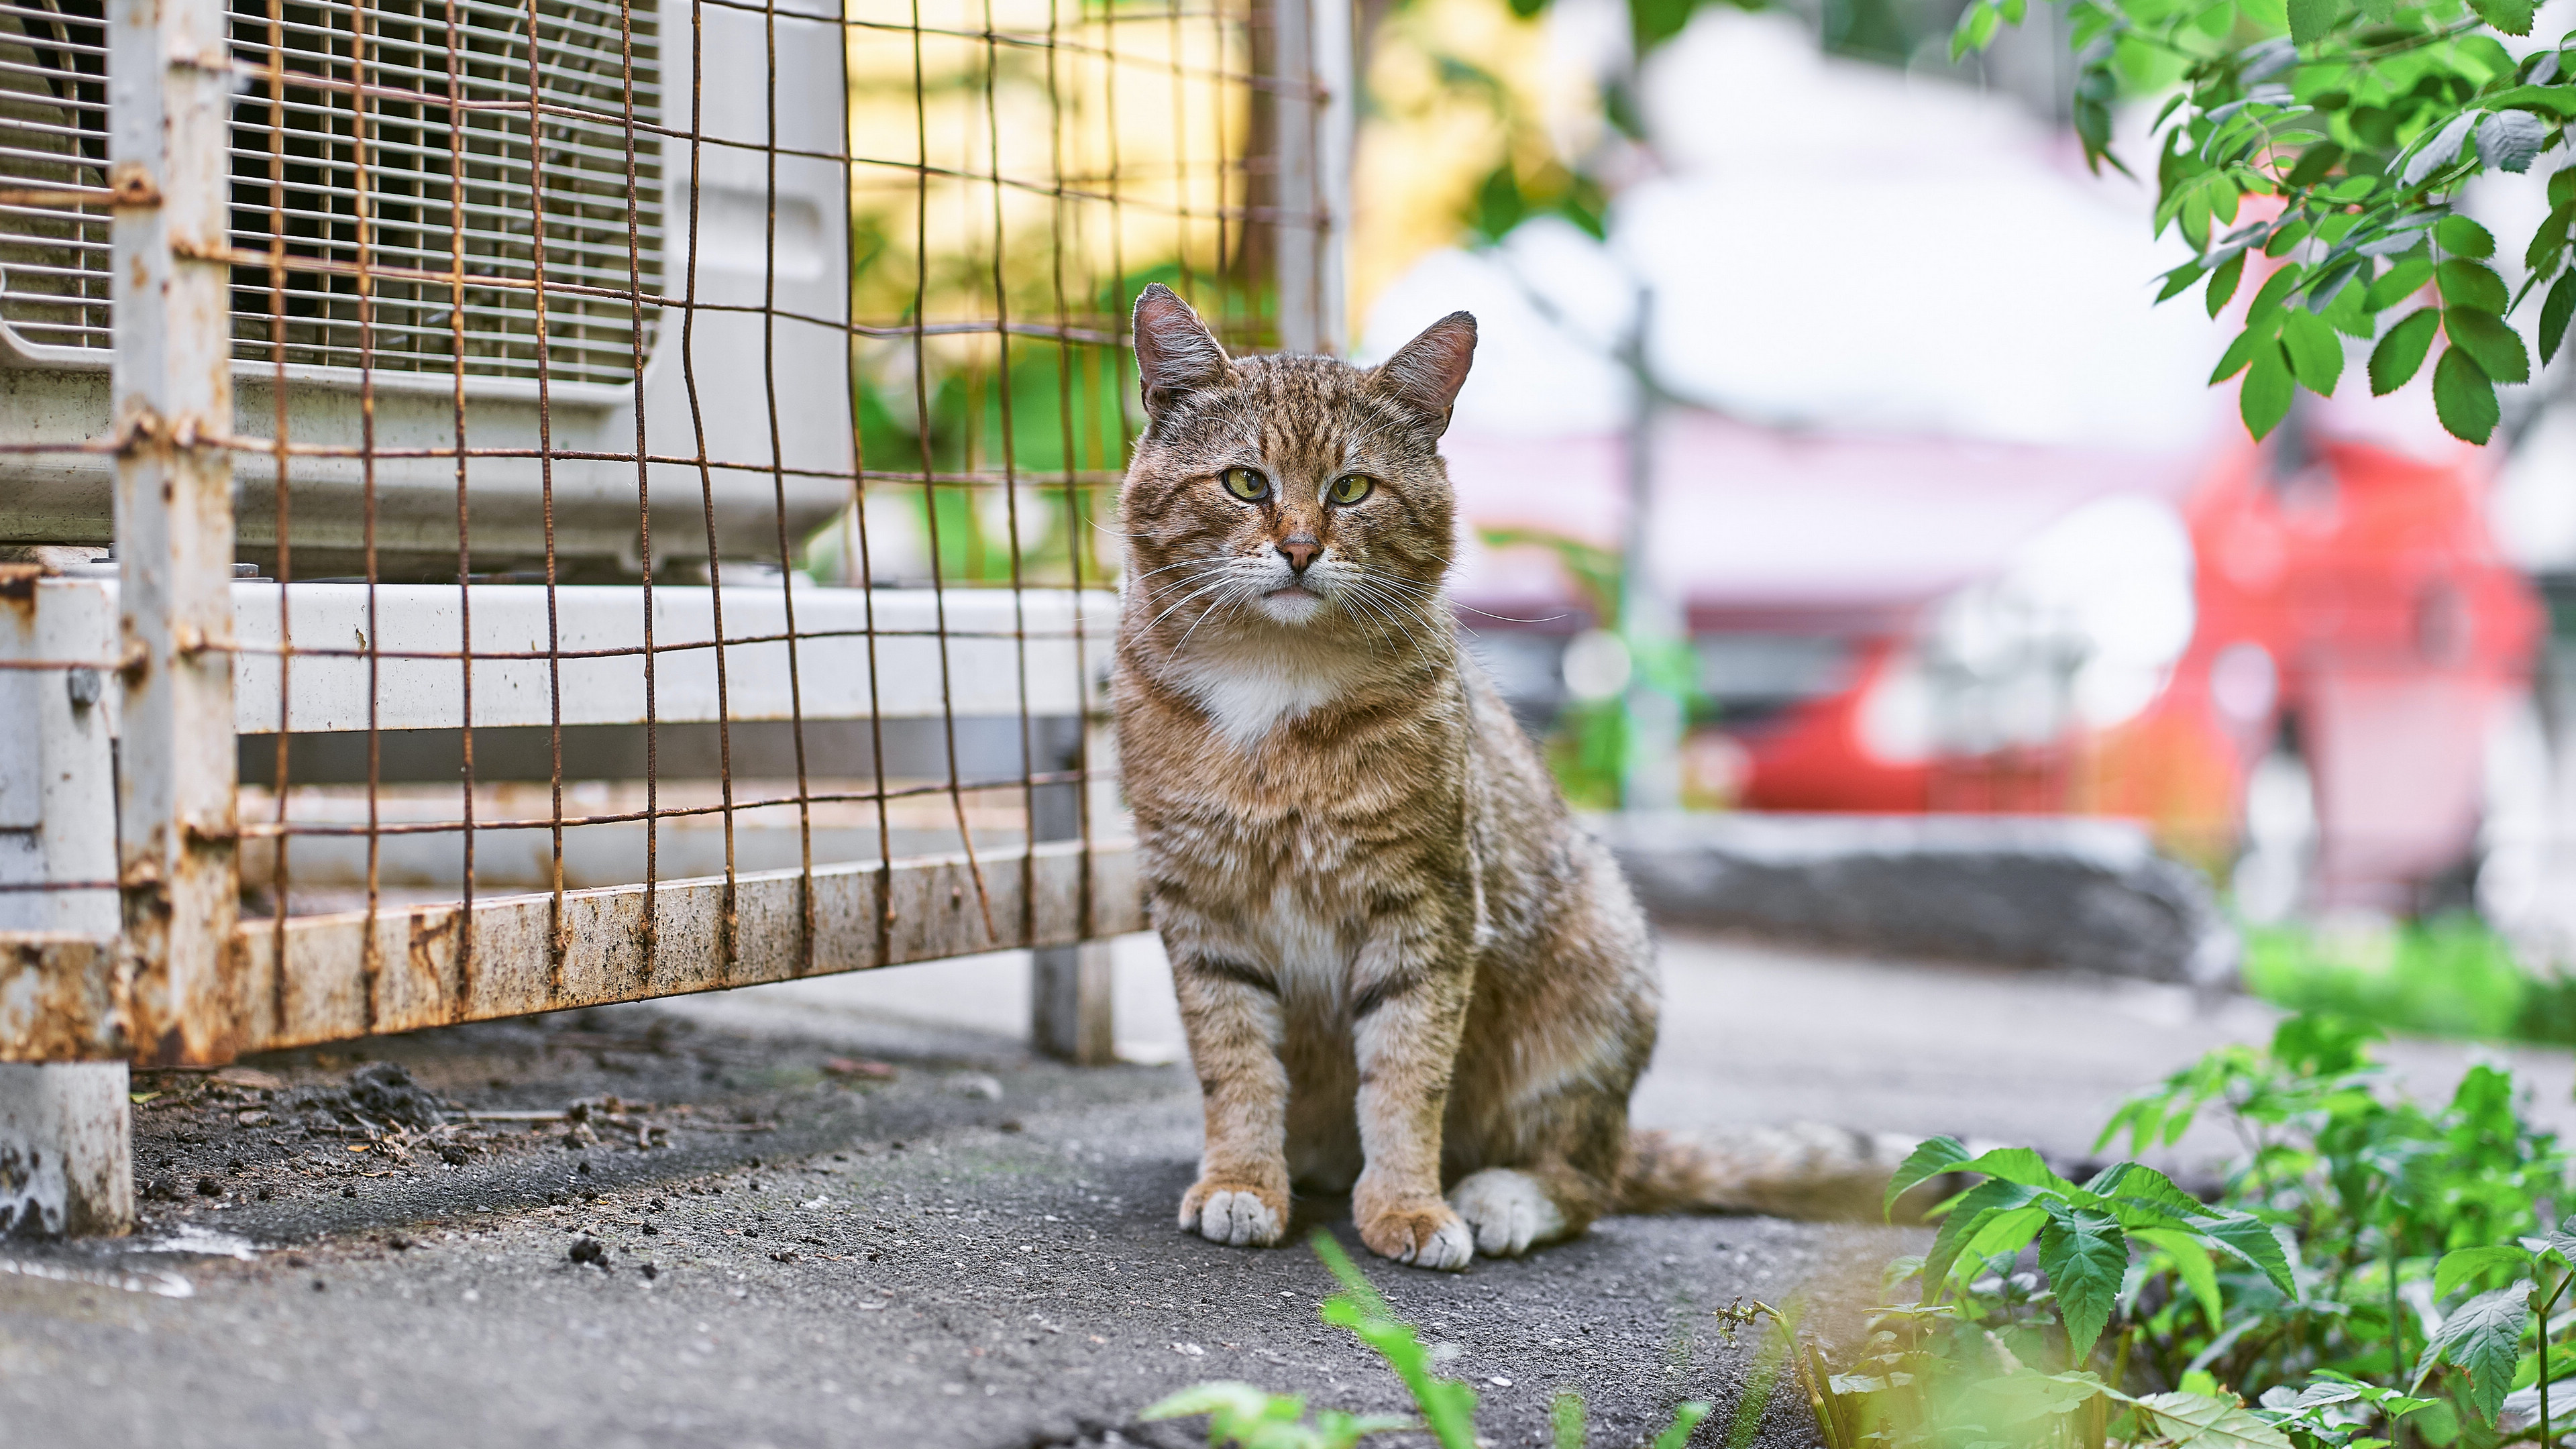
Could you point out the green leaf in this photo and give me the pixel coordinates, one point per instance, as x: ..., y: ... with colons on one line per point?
x: 2549, y: 239
x: 2315, y: 350
x: 2464, y: 398
x: 2223, y: 280
x: 2510, y: 140
x: 2191, y: 1264
x: 1226, y: 1396
x: 2471, y: 284
x: 1686, y: 1417
x: 2562, y: 1241
x: 2250, y: 1238
x: 2265, y: 397
x: 2017, y: 1164
x: 2401, y: 352
x: 1930, y: 1158
x: 2402, y: 281
x: 2484, y: 1337
x: 2276, y: 290
x: 2554, y: 314
x: 2311, y: 19
x: 2208, y: 1421
x: 1977, y: 1207
x: 2084, y: 1256
x: 2562, y: 186
x: 2497, y: 347
x: 2313, y: 165
x: 2233, y: 361
x: 2513, y: 17
x: 2179, y: 280
x: 2137, y: 1182
x: 2461, y: 237
x: 2467, y: 1264
x: 1448, y: 1406
x: 2439, y: 151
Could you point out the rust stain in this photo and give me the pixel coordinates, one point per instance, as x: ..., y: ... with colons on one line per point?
x: 68, y: 1000
x: 129, y: 184
x: 18, y: 588
x: 429, y: 929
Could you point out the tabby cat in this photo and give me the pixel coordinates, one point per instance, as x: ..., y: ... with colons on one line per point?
x: 1405, y: 971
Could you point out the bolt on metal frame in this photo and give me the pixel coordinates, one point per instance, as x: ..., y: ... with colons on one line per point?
x: 454, y: 785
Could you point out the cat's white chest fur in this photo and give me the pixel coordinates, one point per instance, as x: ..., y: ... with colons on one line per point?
x: 1246, y: 697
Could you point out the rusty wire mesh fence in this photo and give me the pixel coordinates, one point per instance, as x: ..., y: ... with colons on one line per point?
x: 610, y: 498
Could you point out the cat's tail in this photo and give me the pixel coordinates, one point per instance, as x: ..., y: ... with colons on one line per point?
x: 1806, y: 1171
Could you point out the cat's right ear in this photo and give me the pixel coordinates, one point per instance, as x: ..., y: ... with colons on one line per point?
x: 1175, y: 353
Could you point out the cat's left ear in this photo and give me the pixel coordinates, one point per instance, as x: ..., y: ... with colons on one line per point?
x: 1426, y: 373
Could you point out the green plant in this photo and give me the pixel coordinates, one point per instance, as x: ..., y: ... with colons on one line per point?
x: 2154, y: 1316
x: 2356, y: 125
x: 1254, y: 1418
x: 2447, y: 976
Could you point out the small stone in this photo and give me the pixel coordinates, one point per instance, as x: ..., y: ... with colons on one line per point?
x: 587, y: 1249
x: 208, y: 1187
x: 651, y: 1272
x: 319, y: 1286
x: 236, y: 1165
x: 399, y: 1243
x: 350, y: 1191
x: 584, y: 1169
x: 649, y: 1228
x: 267, y: 1193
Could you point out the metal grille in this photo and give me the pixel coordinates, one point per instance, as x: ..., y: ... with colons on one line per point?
x: 53, y: 137
x: 440, y: 165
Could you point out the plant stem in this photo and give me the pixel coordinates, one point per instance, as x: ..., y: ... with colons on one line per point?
x: 2547, y: 1439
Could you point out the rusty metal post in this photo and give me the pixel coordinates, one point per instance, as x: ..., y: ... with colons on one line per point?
x: 1071, y: 988
x: 66, y: 1153
x: 170, y: 104
x: 1313, y: 131
x: 65, y: 1163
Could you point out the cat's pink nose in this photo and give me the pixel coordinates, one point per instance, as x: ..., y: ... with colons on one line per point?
x: 1299, y: 550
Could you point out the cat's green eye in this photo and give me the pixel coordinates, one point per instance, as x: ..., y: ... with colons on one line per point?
x: 1246, y: 484
x: 1352, y: 487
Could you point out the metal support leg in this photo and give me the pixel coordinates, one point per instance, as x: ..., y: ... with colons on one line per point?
x: 171, y: 114
x: 65, y: 1163
x: 66, y: 1150
x: 1071, y: 987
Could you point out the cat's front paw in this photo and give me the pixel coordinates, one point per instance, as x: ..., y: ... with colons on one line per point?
x: 1510, y: 1211
x: 1424, y: 1234
x: 1235, y: 1213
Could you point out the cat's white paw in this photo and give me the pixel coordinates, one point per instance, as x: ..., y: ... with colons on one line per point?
x: 1509, y: 1210
x: 1236, y: 1218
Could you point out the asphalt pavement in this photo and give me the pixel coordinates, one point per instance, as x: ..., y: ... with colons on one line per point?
x: 857, y: 1212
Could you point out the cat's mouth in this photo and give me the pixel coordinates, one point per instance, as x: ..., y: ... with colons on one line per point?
x: 1292, y: 591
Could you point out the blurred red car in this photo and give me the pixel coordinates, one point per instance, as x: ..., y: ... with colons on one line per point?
x: 2351, y: 629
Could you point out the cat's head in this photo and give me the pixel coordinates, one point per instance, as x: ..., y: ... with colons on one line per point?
x: 1289, y: 494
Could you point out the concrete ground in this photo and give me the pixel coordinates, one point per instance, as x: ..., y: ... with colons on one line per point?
x: 854, y: 1212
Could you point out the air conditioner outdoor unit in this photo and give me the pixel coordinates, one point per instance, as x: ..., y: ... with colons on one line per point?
x: 770, y: 413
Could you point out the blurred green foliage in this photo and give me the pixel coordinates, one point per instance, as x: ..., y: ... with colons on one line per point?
x: 2449, y: 975
x: 2319, y: 152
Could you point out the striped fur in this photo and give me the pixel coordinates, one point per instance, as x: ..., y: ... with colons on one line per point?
x: 1403, y: 967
